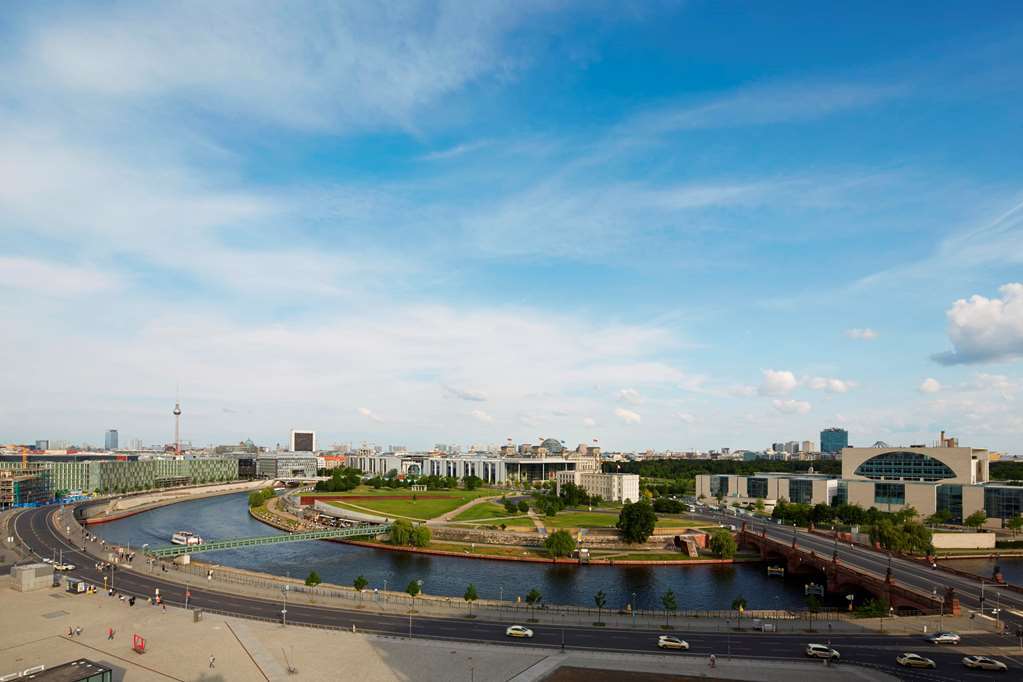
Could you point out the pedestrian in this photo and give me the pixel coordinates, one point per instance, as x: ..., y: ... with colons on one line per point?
x: 164, y: 607
x: 110, y: 633
x: 213, y: 661
x: 70, y: 631
x: 713, y: 661
x: 78, y: 632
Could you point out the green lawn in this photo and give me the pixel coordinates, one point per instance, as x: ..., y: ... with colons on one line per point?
x: 484, y: 510
x: 429, y: 505
x: 580, y: 520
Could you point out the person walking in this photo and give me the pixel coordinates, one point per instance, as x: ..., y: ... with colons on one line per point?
x: 70, y: 631
x: 110, y: 633
x: 713, y: 661
x: 78, y: 631
x: 213, y: 661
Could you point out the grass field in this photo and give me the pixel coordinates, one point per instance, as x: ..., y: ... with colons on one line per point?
x: 430, y: 504
x: 484, y: 510
x: 580, y: 520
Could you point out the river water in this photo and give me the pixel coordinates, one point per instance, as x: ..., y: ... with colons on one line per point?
x: 226, y: 516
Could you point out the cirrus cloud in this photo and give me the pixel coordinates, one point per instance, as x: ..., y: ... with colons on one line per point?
x: 791, y: 406
x: 864, y: 334
x: 628, y: 416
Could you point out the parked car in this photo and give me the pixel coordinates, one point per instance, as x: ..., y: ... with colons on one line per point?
x: 518, y: 631
x: 944, y: 638
x: 909, y: 660
x: 983, y: 663
x: 822, y: 651
x: 669, y: 642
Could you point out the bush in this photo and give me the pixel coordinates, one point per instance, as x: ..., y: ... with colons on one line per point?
x: 666, y: 505
x: 258, y: 498
x: 523, y: 506
x: 313, y: 579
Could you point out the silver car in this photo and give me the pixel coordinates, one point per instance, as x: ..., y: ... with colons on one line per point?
x: 984, y: 663
x: 944, y: 638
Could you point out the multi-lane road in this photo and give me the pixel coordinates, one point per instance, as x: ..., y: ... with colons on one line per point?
x: 33, y: 527
x: 909, y: 573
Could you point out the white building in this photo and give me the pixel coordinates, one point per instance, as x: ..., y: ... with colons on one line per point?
x: 609, y: 487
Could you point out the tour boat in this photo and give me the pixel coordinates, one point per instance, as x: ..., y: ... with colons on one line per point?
x: 184, y: 537
x: 776, y: 570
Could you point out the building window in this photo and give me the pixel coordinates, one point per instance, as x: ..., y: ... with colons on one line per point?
x: 800, y: 490
x: 889, y: 493
x: 1003, y: 502
x: 950, y: 499
x: 718, y: 485
x: 904, y: 466
x: 756, y: 487
x: 841, y: 494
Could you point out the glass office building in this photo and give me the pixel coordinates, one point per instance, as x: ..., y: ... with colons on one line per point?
x: 833, y: 440
x: 1003, y: 501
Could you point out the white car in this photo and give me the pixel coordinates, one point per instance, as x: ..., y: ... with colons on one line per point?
x: 669, y: 642
x: 944, y: 638
x: 908, y: 660
x: 64, y: 567
x: 48, y: 560
x: 518, y: 631
x: 983, y: 663
x: 821, y: 651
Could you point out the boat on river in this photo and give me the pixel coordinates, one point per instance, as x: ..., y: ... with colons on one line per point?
x: 184, y: 537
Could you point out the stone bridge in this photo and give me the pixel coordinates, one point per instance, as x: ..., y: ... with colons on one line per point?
x: 841, y: 577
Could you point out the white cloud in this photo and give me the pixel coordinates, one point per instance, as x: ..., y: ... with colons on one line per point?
x: 864, y: 334
x: 685, y: 417
x: 777, y: 382
x: 930, y: 385
x: 742, y: 391
x: 628, y: 416
x: 326, y: 66
x: 830, y: 385
x: 589, y: 422
x: 55, y: 279
x: 369, y: 414
x: 482, y: 416
x: 465, y: 394
x: 986, y: 329
x: 791, y: 406
x: 630, y: 395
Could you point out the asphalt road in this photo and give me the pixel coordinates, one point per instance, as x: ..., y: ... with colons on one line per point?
x: 906, y: 572
x: 872, y: 650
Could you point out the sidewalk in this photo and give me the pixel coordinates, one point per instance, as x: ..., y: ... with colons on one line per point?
x: 33, y: 631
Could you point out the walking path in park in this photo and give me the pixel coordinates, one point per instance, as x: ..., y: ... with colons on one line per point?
x: 449, y: 516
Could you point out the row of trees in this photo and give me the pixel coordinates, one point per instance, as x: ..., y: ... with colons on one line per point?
x: 258, y: 498
x: 342, y: 479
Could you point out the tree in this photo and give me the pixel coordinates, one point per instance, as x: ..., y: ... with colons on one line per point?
x: 560, y: 543
x: 510, y: 507
x: 523, y: 506
x: 976, y: 519
x: 533, y: 598
x: 600, y: 601
x: 420, y: 536
x: 938, y: 518
x: 401, y: 532
x: 470, y: 596
x: 670, y: 605
x: 472, y: 482
x: 723, y: 544
x: 413, y: 591
x: 313, y: 579
x: 636, y: 521
x: 360, y: 583
x: 1015, y: 524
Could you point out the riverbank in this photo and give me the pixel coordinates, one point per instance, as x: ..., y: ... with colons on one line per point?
x: 272, y: 515
x: 125, y: 506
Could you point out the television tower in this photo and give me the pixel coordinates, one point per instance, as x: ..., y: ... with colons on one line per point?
x: 177, y: 428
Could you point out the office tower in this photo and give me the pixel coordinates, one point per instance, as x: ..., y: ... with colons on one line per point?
x: 834, y: 439
x: 303, y: 441
x: 110, y: 441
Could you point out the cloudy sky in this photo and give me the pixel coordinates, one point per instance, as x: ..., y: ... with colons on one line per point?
x: 667, y: 225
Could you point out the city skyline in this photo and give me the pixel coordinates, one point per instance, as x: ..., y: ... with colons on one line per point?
x: 432, y: 223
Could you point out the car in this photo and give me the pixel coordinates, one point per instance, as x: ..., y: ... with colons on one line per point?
x: 983, y: 663
x: 822, y: 651
x: 48, y: 560
x: 669, y: 642
x: 64, y: 567
x: 518, y: 631
x: 909, y: 660
x: 944, y: 638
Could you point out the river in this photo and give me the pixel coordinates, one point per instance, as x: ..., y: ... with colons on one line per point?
x: 696, y: 587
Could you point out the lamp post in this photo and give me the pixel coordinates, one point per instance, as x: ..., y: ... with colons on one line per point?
x: 284, y: 611
x: 633, y: 609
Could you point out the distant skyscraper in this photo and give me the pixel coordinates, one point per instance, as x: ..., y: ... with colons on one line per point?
x: 42, y: 445
x: 110, y: 442
x: 807, y: 446
x: 303, y: 441
x: 833, y: 440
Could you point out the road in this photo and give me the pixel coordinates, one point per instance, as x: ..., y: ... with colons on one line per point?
x: 907, y: 572
x: 872, y: 650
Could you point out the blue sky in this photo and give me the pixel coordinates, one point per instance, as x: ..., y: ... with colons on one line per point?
x: 667, y: 225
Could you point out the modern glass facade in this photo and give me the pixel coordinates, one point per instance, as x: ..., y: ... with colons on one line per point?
x: 718, y: 485
x: 949, y: 498
x: 1003, y: 501
x: 841, y: 494
x: 833, y: 440
x: 756, y: 487
x: 904, y: 466
x: 889, y: 493
x: 800, y: 490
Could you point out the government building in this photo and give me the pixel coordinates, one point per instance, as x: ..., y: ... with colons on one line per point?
x: 929, y: 479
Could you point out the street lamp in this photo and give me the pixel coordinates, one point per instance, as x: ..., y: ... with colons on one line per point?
x: 284, y: 611
x: 633, y: 609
